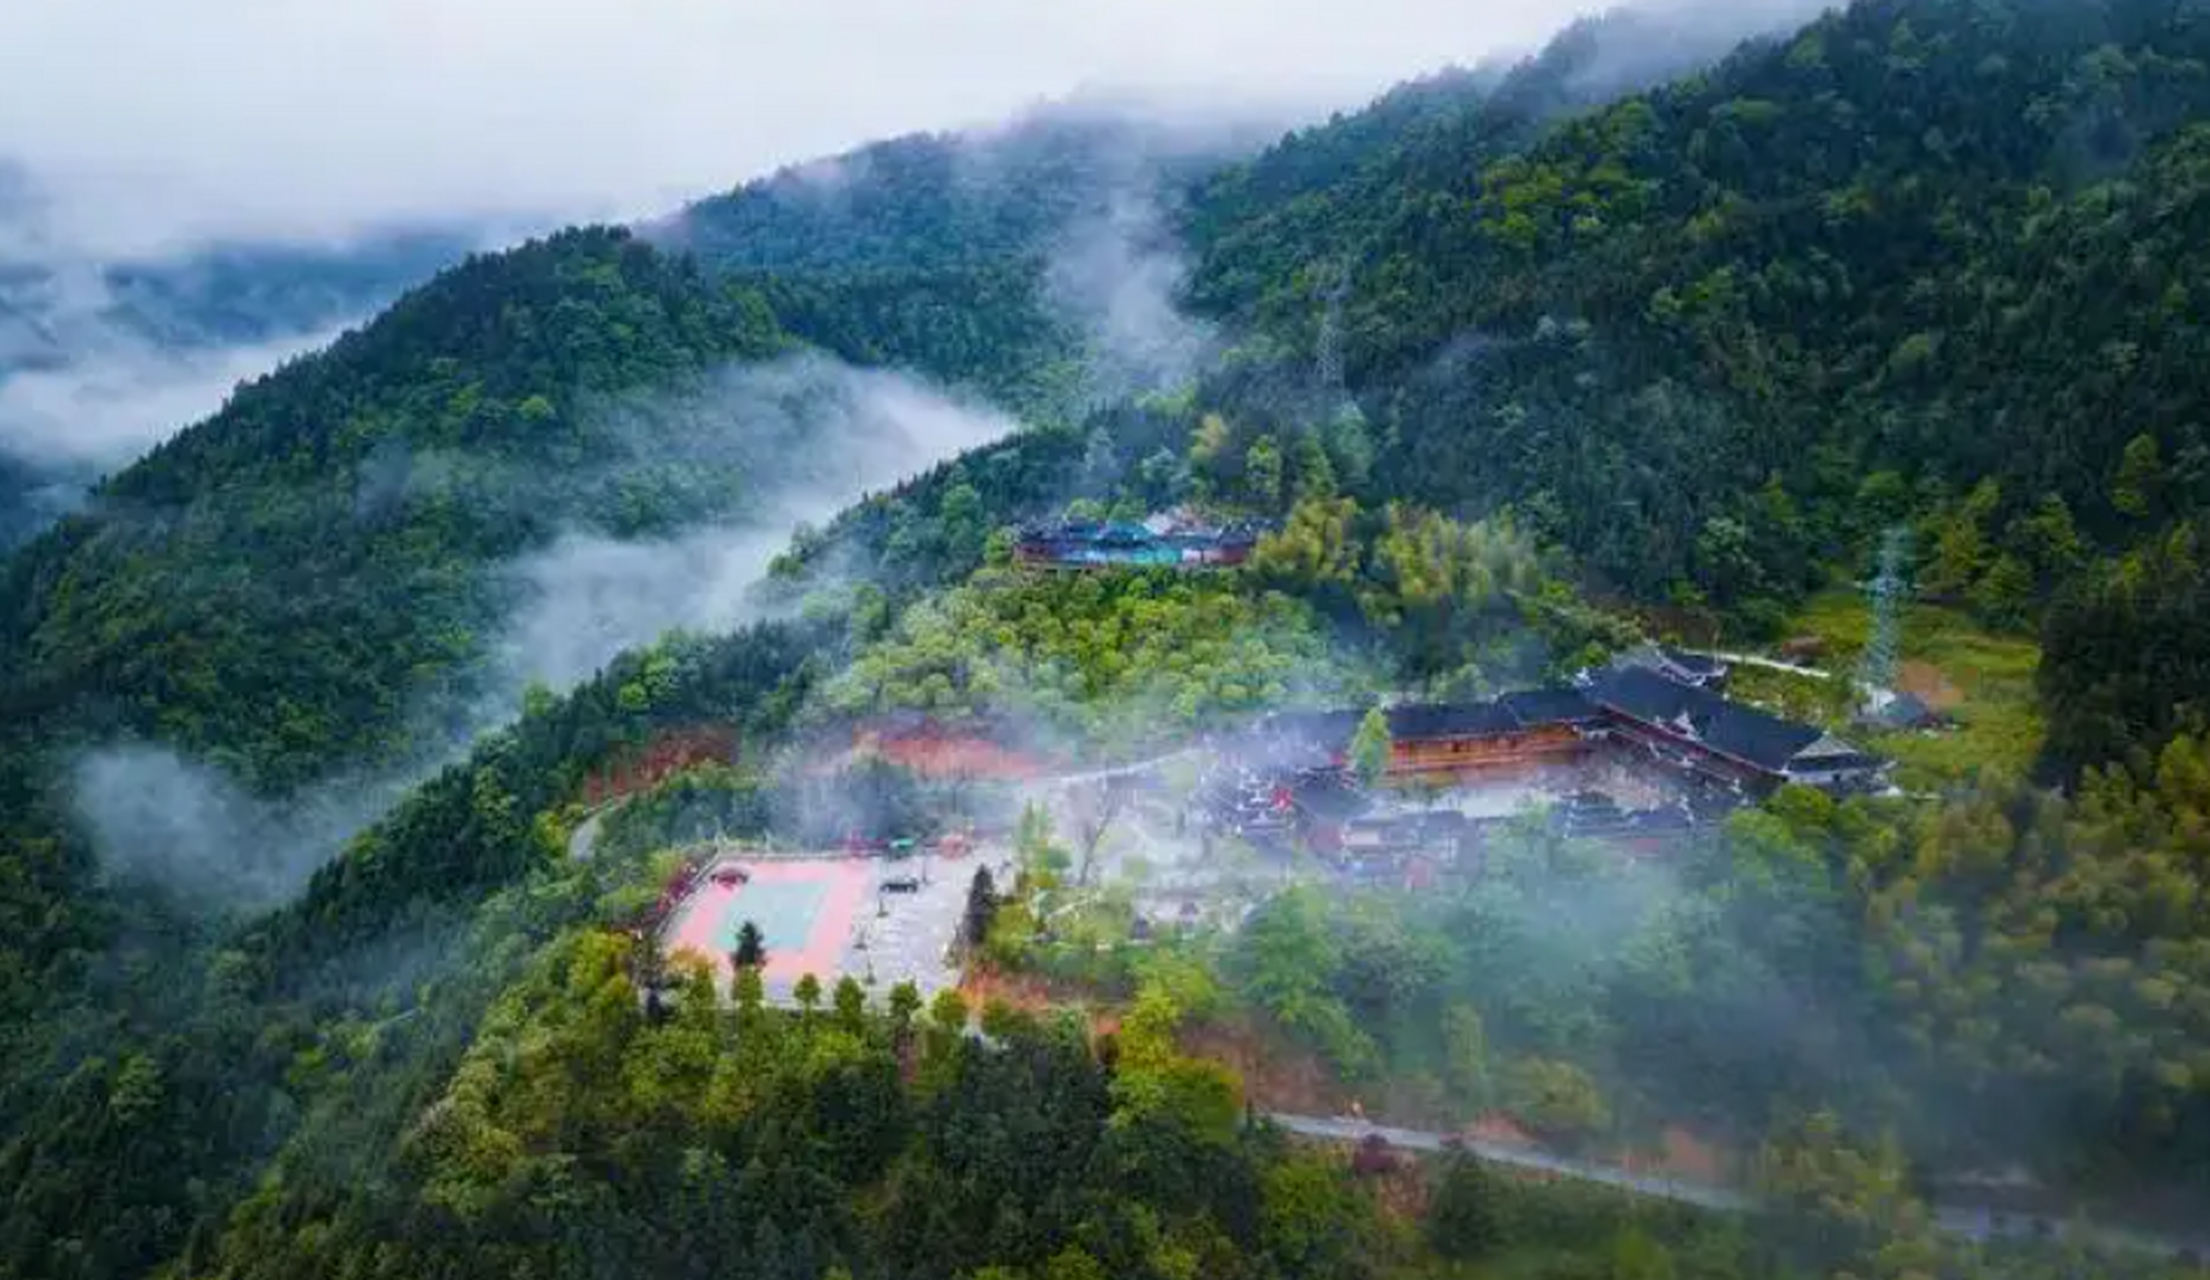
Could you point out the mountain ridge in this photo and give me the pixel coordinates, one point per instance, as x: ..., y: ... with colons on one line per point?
x: 1692, y: 353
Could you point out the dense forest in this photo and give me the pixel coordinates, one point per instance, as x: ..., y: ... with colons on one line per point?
x: 1514, y: 367
x: 1919, y: 266
x: 963, y: 254
x: 320, y: 539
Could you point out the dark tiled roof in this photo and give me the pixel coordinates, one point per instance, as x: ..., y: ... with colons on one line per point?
x: 1327, y: 732
x: 1836, y: 762
x: 1729, y: 728
x: 1644, y: 694
x: 1533, y: 707
x: 1329, y: 799
x: 1062, y: 530
x: 1680, y: 664
x: 1905, y: 711
x: 1128, y: 533
x: 1300, y: 739
x: 1464, y: 720
x: 1749, y: 734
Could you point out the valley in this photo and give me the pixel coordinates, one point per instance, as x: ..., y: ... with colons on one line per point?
x: 992, y: 706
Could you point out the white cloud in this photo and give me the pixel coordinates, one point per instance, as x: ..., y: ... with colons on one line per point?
x: 1117, y: 277
x: 155, y: 814
x: 166, y: 120
x: 123, y: 397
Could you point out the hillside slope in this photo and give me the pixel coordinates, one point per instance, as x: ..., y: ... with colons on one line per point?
x: 1694, y: 331
x: 1926, y: 263
x: 322, y: 539
x: 1031, y: 262
x: 328, y: 537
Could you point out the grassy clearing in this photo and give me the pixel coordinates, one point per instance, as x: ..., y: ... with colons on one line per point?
x: 1985, y: 681
x: 1810, y: 699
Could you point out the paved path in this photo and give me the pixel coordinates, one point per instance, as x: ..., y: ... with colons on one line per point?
x: 585, y: 837
x: 1771, y: 664
x: 1120, y: 770
x: 1971, y: 1222
x: 1341, y: 1129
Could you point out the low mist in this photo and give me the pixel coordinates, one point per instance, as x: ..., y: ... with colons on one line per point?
x: 118, y: 396
x: 1118, y: 277
x: 824, y: 435
x: 154, y: 814
x: 1635, y: 47
x: 818, y: 435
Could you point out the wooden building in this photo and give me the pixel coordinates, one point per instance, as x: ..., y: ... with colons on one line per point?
x: 1532, y: 727
x: 1529, y: 728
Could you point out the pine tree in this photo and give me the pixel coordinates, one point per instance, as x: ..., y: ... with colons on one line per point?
x: 747, y: 991
x: 1263, y: 466
x: 2140, y: 480
x: 751, y: 950
x: 1463, y: 1222
x: 905, y: 1002
x: 982, y: 909
x: 851, y: 1005
x: 1370, y: 747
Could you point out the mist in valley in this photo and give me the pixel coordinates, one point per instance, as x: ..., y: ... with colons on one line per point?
x: 803, y: 437
x: 1117, y: 276
x: 89, y: 380
x: 153, y: 814
x: 106, y: 352
x: 822, y: 434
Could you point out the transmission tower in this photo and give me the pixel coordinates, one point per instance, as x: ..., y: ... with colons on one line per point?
x: 1887, y: 593
x: 1331, y: 329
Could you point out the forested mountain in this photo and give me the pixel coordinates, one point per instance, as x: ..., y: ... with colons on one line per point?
x: 324, y: 537
x: 995, y: 258
x: 1320, y: 191
x: 1515, y: 367
x: 1743, y: 241
x: 933, y: 202
x: 1920, y: 264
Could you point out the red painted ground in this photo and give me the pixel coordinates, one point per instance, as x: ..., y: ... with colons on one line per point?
x: 947, y: 756
x: 634, y: 769
x: 934, y: 751
x: 699, y: 921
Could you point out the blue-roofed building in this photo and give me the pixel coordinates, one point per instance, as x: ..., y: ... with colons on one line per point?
x: 1163, y: 542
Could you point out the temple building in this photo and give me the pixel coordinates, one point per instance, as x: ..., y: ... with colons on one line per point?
x: 1176, y: 540
x: 1713, y: 737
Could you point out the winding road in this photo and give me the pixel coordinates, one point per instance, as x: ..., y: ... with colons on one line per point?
x: 1970, y: 1222
x: 1120, y: 770
x: 1344, y: 1129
